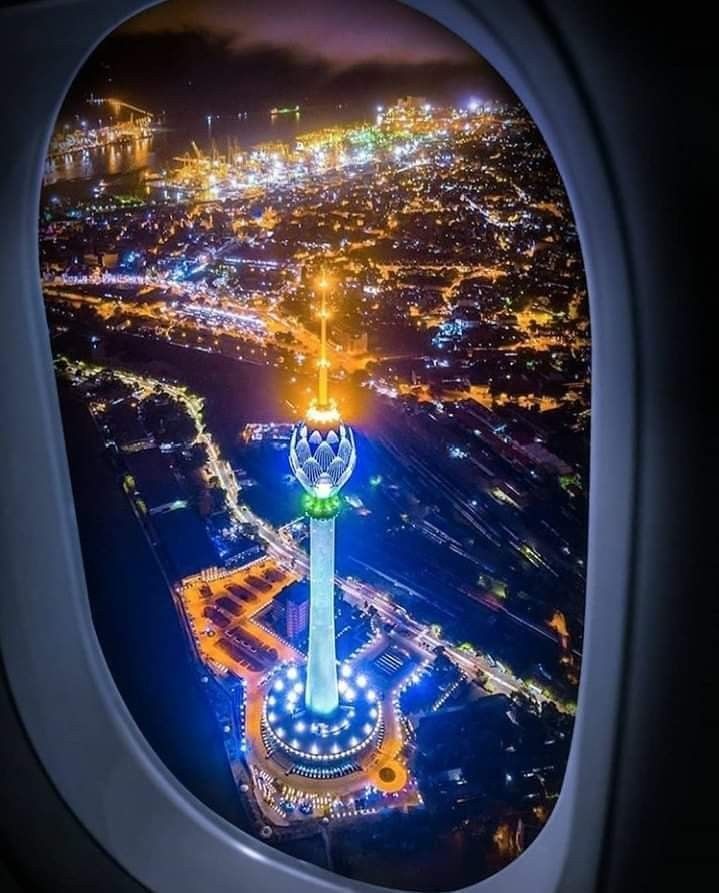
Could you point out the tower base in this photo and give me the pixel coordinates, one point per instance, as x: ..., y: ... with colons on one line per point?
x: 318, y: 746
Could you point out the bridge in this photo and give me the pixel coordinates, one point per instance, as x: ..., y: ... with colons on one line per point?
x: 117, y: 104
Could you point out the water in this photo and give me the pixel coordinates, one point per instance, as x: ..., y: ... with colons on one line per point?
x: 122, y: 165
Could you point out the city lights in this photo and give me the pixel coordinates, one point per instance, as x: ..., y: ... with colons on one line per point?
x: 412, y: 268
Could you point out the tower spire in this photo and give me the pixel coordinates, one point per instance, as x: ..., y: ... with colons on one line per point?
x: 323, y: 410
x: 323, y: 384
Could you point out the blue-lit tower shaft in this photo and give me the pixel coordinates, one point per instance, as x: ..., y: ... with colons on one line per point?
x: 321, y: 695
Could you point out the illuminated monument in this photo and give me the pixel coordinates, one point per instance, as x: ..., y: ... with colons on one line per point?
x: 314, y: 715
x: 322, y: 458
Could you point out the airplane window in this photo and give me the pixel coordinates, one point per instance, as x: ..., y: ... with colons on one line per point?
x: 320, y: 326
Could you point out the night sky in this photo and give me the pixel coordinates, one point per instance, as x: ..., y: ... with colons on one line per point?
x: 227, y: 56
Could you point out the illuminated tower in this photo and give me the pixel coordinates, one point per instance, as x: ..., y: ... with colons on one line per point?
x: 322, y: 458
x: 316, y: 722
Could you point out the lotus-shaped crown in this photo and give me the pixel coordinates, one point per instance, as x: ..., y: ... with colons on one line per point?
x: 322, y: 459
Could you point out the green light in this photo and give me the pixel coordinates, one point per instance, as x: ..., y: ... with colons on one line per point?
x: 318, y: 507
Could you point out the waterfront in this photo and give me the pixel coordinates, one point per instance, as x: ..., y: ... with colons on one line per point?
x: 126, y: 164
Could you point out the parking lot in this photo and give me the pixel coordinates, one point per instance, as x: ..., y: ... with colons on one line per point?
x: 220, y: 611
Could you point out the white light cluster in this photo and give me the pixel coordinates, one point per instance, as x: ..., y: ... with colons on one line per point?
x: 324, y: 749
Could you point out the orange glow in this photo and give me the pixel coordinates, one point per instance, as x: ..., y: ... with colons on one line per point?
x: 325, y: 415
x: 324, y: 282
x: 559, y: 624
x: 323, y: 384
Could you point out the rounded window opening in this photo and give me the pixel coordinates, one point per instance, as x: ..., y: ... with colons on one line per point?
x: 320, y: 326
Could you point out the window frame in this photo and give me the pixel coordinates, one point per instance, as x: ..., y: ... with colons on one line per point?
x: 102, y: 766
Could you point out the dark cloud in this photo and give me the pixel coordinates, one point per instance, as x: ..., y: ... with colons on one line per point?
x: 341, y: 32
x: 225, y: 56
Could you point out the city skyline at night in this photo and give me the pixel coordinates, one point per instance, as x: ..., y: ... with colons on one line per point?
x: 320, y: 324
